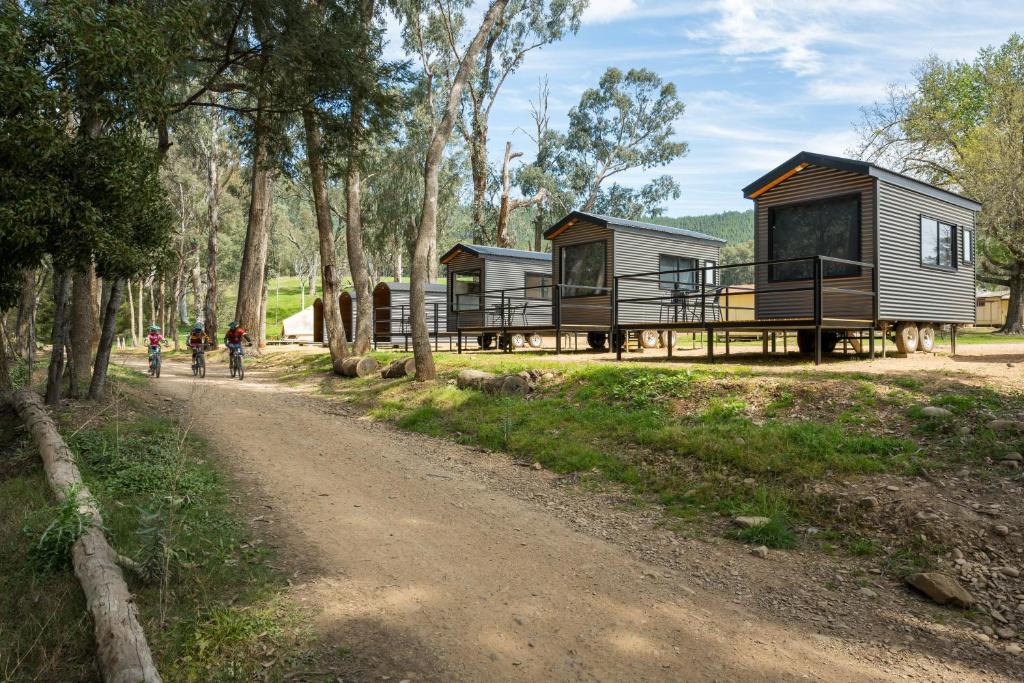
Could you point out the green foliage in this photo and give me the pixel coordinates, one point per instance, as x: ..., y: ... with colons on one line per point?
x: 733, y: 226
x: 65, y: 524
x: 774, y: 534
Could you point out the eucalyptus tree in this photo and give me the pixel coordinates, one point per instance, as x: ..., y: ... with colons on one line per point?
x: 960, y: 126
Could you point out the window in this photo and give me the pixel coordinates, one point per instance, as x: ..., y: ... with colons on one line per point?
x: 583, y: 269
x: 829, y: 227
x: 938, y: 243
x: 968, y: 245
x: 466, y: 291
x: 538, y: 286
x: 709, y: 272
x: 676, y: 280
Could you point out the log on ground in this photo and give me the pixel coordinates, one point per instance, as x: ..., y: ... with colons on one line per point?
x: 122, y: 650
x: 503, y: 385
x: 400, y: 367
x: 358, y: 366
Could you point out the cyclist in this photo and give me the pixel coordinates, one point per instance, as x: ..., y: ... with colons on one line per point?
x: 234, y: 337
x: 198, y: 339
x: 154, y: 340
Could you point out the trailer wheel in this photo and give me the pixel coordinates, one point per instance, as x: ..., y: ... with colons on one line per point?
x: 485, y: 341
x: 597, y: 340
x: 518, y: 340
x: 907, y: 337
x: 535, y: 341
x: 926, y: 337
x: 669, y: 339
x: 649, y: 339
x: 805, y: 341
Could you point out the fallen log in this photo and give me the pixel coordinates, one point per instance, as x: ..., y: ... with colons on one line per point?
x: 358, y: 366
x: 400, y: 367
x: 504, y: 385
x: 121, y: 648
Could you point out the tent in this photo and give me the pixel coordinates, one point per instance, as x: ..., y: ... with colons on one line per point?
x: 298, y: 326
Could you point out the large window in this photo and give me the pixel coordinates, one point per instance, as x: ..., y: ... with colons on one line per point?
x: 829, y: 227
x: 938, y: 243
x: 669, y: 278
x: 538, y: 286
x: 583, y: 269
x: 968, y: 245
x: 466, y: 291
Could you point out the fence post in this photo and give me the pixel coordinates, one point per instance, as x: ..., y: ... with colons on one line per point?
x: 435, y: 326
x: 613, y: 337
x: 558, y: 318
x: 818, y: 301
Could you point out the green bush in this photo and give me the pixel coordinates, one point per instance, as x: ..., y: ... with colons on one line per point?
x: 64, y: 525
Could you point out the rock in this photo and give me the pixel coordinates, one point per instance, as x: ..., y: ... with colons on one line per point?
x: 1006, y: 633
x: 1014, y: 649
x: 1009, y: 571
x: 760, y: 551
x: 750, y: 522
x: 519, y: 620
x: 537, y: 466
x: 868, y: 502
x: 1015, y: 457
x: 1006, y: 426
x: 958, y: 554
x: 750, y: 481
x: 943, y: 589
x: 1000, y: 530
x: 935, y: 411
x: 868, y: 593
x: 890, y: 487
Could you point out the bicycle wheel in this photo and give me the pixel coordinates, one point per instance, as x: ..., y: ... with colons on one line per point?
x: 157, y: 369
x: 241, y: 369
x: 195, y: 367
x: 231, y: 364
x: 202, y: 366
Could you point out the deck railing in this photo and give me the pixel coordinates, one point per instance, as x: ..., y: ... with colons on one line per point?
x: 389, y: 322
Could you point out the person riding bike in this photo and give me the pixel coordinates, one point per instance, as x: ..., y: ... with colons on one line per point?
x: 154, y: 340
x: 234, y: 337
x: 198, y: 339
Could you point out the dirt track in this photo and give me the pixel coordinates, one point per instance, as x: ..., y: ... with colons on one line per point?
x: 411, y: 557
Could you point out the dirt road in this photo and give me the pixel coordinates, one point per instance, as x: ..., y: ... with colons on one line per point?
x: 416, y: 560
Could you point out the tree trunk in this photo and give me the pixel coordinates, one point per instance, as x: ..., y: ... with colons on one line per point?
x: 1014, y: 323
x: 83, y: 325
x: 213, y: 220
x: 264, y: 298
x: 99, y: 373
x: 478, y: 168
x: 142, y: 324
x: 131, y: 313
x: 26, y: 311
x: 398, y: 259
x: 325, y: 230
x: 254, y: 257
x: 508, y: 205
x: 122, y: 652
x: 354, y: 238
x: 61, y: 295
x: 426, y: 236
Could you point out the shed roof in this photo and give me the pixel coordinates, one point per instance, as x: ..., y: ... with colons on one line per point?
x: 804, y: 159
x: 615, y: 223
x: 404, y: 286
x: 500, y: 252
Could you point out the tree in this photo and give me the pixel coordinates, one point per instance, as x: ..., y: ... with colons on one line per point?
x: 508, y: 204
x: 627, y: 122
x: 426, y: 235
x: 960, y: 126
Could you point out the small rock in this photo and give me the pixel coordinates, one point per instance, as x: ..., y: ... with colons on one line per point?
x: 1000, y: 530
x: 750, y: 522
x: 760, y: 551
x: 537, y: 466
x: 868, y: 502
x: 750, y: 481
x: 1014, y: 649
x: 1006, y: 426
x: 941, y: 588
x: 868, y: 593
x: 519, y: 620
x: 935, y: 411
x: 1015, y: 457
x: 890, y: 487
x: 958, y: 554
x: 1009, y: 571
x: 1006, y: 633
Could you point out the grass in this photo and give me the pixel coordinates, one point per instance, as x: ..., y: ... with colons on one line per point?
x: 211, y: 604
x: 985, y: 335
x: 703, y: 442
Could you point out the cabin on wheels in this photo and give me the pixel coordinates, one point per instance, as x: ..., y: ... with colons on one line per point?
x: 486, y: 283
x: 878, y: 250
x: 592, y: 251
x: 392, y: 312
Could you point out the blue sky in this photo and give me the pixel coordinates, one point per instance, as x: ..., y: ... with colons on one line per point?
x: 761, y: 79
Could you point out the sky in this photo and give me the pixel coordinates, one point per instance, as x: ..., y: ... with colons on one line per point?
x: 761, y: 79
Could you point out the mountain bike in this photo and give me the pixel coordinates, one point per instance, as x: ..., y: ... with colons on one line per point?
x: 236, y: 363
x: 154, y: 361
x: 199, y: 361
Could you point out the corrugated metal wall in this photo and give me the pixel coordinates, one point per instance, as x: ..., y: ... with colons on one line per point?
x: 815, y: 182
x: 510, y: 274
x: 908, y: 290
x: 638, y: 252
x: 587, y: 310
x: 393, y: 314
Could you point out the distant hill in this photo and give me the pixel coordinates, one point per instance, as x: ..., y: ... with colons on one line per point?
x: 732, y: 226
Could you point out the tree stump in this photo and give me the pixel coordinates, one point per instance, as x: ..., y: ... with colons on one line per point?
x: 358, y: 366
x: 502, y: 385
x: 400, y: 367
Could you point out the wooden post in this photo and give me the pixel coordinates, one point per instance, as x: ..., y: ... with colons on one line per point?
x: 558, y: 318
x: 818, y: 271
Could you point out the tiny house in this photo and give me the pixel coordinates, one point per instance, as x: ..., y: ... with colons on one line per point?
x: 485, y: 283
x: 905, y: 250
x: 391, y: 311
x: 590, y: 251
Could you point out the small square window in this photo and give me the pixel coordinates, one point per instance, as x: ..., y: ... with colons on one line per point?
x: 968, y: 238
x: 938, y: 243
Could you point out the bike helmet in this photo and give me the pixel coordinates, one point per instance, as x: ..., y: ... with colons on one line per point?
x: 233, y: 324
x: 154, y: 328
x: 198, y: 327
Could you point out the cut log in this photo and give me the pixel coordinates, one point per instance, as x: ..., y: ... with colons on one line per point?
x: 400, y: 367
x: 502, y: 385
x: 122, y: 651
x: 358, y: 366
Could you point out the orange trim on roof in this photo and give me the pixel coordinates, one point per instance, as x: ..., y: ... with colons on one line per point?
x: 562, y: 229
x: 793, y: 171
x: 453, y: 255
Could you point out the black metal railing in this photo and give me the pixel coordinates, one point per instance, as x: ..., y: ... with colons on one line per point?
x: 393, y: 323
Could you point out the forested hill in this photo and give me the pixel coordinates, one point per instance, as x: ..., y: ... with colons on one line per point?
x: 732, y: 226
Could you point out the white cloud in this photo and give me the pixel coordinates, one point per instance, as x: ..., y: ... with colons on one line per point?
x: 604, y: 11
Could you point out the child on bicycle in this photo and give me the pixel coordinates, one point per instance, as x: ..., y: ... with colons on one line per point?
x: 234, y: 337
x: 154, y: 340
x: 198, y: 339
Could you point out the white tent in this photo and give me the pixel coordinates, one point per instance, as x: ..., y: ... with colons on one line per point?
x: 298, y: 326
